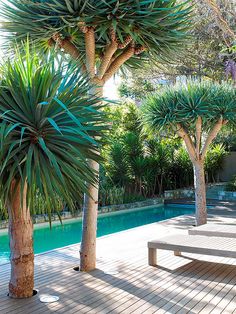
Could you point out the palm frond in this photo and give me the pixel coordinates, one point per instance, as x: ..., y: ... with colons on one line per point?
x: 48, y: 123
x: 185, y: 103
x: 160, y: 26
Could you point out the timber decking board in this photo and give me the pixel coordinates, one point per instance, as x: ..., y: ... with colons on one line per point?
x: 174, y: 286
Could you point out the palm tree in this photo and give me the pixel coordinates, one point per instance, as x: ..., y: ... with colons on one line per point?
x: 102, y: 36
x: 48, y: 124
x: 196, y: 112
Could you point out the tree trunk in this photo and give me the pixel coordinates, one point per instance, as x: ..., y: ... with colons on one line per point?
x: 89, y: 229
x: 161, y: 184
x: 21, y: 245
x: 200, y: 193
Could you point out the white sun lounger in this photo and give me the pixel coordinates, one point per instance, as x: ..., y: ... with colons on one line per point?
x: 215, y: 230
x: 197, y: 244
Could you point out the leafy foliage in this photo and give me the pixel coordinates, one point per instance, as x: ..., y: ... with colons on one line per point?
x: 137, y: 164
x: 231, y: 185
x: 157, y: 25
x: 48, y: 124
x: 214, y: 161
x: 39, y: 208
x: 118, y: 164
x: 227, y: 138
x: 136, y: 88
x: 209, y: 49
x: 205, y: 56
x: 185, y: 103
x: 180, y: 171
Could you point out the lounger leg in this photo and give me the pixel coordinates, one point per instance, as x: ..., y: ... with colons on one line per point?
x: 177, y: 253
x: 152, y: 257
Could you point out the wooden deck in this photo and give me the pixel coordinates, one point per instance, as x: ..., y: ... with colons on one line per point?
x: 124, y: 283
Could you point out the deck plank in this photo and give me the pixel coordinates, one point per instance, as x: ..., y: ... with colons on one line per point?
x: 187, y: 284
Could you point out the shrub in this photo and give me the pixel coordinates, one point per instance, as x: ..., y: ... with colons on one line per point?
x: 214, y: 161
x: 231, y: 185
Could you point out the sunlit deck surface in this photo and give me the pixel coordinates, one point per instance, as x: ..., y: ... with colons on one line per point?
x: 124, y: 283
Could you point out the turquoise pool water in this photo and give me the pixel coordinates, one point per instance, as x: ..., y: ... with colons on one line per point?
x: 70, y: 231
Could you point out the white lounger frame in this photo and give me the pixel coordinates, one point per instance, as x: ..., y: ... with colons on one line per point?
x: 197, y: 244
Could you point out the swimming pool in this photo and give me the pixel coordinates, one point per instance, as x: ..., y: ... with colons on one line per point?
x: 70, y: 231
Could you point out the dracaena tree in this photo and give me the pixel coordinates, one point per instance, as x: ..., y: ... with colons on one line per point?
x: 102, y: 36
x: 47, y: 126
x: 195, y: 112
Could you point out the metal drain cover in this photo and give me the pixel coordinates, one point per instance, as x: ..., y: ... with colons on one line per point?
x: 47, y: 298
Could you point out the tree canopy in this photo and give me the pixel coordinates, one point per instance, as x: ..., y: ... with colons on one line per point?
x: 131, y: 28
x: 48, y: 122
x: 210, y: 52
x: 184, y: 104
x: 196, y: 112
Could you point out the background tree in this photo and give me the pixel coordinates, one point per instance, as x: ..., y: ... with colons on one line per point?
x: 136, y: 85
x: 228, y: 138
x: 167, y: 163
x: 102, y: 36
x: 48, y: 122
x: 226, y: 21
x: 211, y: 54
x: 196, y: 112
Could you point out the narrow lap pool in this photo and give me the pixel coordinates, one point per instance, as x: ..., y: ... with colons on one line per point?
x: 70, y: 231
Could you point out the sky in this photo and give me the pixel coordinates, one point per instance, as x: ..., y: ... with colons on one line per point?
x: 110, y: 88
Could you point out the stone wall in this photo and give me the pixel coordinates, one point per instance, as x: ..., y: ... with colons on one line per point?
x: 215, y: 192
x: 179, y: 193
x: 148, y: 202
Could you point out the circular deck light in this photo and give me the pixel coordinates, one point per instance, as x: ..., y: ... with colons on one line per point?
x: 111, y: 272
x: 47, y: 298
